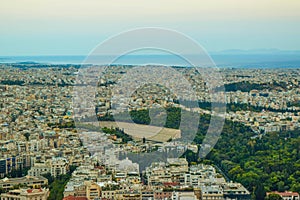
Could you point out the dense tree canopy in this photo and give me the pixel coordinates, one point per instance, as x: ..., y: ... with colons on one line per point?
x: 269, y: 162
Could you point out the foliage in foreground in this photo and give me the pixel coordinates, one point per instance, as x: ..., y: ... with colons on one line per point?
x: 57, y: 185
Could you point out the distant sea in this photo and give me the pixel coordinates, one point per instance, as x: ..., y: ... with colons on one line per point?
x: 221, y: 60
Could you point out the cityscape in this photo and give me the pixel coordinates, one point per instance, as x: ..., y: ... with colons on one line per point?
x: 44, y: 155
x: 149, y: 100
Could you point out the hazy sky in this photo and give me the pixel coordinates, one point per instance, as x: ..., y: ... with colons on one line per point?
x: 75, y: 27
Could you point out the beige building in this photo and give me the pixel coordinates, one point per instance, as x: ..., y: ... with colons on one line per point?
x: 212, y: 192
x: 29, y: 181
x: 88, y: 189
x: 93, y: 190
x: 26, y: 194
x: 40, y: 168
x: 108, y: 194
x: 123, y: 195
x: 184, y: 195
x: 59, y: 166
x: 56, y: 166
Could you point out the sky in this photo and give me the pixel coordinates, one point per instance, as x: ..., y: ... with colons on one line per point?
x: 75, y: 27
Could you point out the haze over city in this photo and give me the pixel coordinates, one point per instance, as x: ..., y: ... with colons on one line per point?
x: 149, y: 100
x: 75, y: 27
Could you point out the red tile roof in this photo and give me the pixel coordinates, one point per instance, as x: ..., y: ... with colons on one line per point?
x: 74, y: 198
x: 171, y: 183
x: 284, y: 194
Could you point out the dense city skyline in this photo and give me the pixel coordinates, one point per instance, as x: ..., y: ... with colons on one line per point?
x: 150, y: 100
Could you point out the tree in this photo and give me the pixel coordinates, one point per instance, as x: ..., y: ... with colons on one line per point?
x: 49, y: 177
x: 280, y: 186
x: 26, y: 135
x: 236, y: 171
x: 260, y: 192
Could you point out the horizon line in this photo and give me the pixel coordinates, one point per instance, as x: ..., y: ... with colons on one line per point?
x: 260, y: 51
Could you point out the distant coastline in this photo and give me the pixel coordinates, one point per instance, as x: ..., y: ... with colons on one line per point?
x: 222, y: 60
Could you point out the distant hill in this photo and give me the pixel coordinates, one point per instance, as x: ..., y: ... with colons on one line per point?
x: 27, y: 63
x: 255, y: 52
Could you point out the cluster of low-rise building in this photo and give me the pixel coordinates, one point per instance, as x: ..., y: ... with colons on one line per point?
x: 37, y: 133
x: 49, y: 152
x: 278, y: 104
x: 173, y: 179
